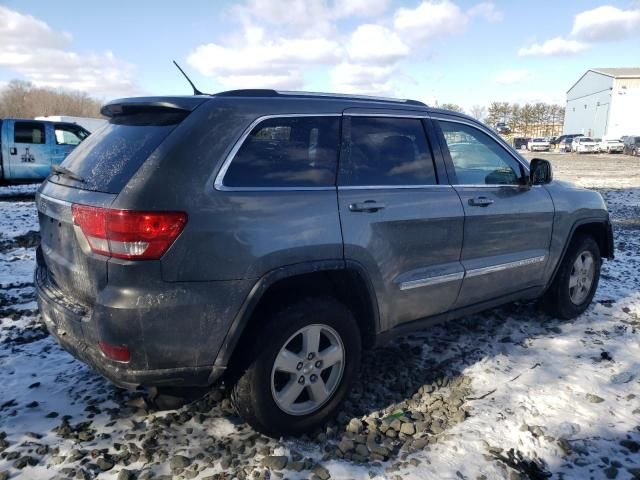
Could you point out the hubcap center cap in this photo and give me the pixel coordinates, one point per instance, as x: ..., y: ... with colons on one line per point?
x: 308, y: 368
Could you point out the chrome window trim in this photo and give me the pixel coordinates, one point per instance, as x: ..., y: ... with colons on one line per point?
x: 476, y: 272
x: 489, y: 133
x: 54, y: 208
x: 429, y: 281
x: 219, y: 180
x: 391, y: 187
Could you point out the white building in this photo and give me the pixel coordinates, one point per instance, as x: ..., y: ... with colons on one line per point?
x: 604, y: 103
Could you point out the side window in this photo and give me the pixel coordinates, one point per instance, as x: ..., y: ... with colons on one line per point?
x: 29, y: 132
x: 69, y: 135
x: 388, y: 151
x: 477, y: 158
x: 288, y: 152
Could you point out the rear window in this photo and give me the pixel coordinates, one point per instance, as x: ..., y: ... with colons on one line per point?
x: 110, y: 156
x: 287, y: 152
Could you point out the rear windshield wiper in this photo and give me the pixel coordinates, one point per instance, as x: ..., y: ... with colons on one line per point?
x: 60, y: 170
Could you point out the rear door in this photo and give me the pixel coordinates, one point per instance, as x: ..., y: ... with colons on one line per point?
x: 508, y: 224
x: 401, y: 220
x: 29, y: 155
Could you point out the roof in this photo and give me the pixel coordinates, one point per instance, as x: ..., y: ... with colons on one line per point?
x: 301, y: 94
x: 633, y: 72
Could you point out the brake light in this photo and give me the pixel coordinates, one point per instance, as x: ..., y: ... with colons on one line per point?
x: 128, y: 234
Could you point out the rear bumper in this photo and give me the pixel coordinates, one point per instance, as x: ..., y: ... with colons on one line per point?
x: 172, y: 343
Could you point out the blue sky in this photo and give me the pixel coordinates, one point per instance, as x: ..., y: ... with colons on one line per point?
x: 465, y: 52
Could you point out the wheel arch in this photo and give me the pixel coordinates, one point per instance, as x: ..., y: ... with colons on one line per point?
x: 346, y: 281
x: 599, y: 228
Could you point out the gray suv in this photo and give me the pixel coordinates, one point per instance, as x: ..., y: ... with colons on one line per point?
x: 268, y: 238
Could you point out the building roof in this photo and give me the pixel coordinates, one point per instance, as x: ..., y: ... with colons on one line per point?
x: 619, y: 72
x: 631, y: 72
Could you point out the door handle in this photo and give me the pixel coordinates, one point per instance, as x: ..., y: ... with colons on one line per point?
x: 13, y: 150
x: 368, y: 206
x: 480, y: 202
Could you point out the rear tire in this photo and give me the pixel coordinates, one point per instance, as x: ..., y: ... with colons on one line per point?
x: 576, y: 280
x: 286, y: 388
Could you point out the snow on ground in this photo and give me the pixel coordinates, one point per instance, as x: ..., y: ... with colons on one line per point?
x: 546, y: 397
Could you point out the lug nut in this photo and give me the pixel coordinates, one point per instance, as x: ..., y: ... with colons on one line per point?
x: 313, y: 378
x: 318, y: 364
x: 299, y: 366
x: 301, y: 380
x: 310, y: 356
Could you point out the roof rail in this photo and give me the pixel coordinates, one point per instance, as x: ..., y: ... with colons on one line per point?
x: 264, y: 92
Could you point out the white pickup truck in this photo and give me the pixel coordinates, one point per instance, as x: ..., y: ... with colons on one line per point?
x: 611, y: 145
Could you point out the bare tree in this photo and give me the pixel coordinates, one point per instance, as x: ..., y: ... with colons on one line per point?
x: 452, y: 106
x: 21, y: 99
x: 479, y: 112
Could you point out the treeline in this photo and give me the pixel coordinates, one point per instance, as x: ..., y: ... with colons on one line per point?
x: 528, y: 120
x: 21, y: 99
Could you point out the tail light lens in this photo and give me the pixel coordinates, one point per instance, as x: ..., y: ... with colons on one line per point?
x: 128, y: 234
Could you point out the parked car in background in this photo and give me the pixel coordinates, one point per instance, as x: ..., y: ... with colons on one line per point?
x: 562, y: 138
x: 565, y: 144
x: 503, y: 128
x: 519, y: 142
x: 584, y: 145
x: 631, y: 145
x: 538, y: 145
x: 203, y: 236
x: 30, y: 148
x: 611, y: 145
x: 88, y: 123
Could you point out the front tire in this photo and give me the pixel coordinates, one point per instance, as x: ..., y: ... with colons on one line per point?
x: 301, y: 367
x: 576, y: 280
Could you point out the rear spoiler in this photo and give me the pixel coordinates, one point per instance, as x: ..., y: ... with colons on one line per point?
x: 128, y: 106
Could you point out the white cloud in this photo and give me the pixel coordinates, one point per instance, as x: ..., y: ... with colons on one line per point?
x: 555, y: 47
x: 509, y: 77
x: 259, y: 62
x: 28, y: 32
x: 364, y: 79
x: 278, y: 41
x: 487, y: 10
x: 606, y: 23
x: 428, y: 20
x: 41, y: 55
x: 376, y: 44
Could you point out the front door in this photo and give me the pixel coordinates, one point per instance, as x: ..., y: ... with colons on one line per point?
x: 397, y: 220
x: 29, y: 155
x: 508, y: 224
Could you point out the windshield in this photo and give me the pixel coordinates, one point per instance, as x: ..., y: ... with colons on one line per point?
x: 538, y: 139
x: 586, y: 139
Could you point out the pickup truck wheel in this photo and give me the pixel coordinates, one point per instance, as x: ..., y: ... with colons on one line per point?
x: 576, y: 280
x: 302, y: 367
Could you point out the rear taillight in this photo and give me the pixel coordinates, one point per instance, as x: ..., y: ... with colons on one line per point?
x: 128, y: 234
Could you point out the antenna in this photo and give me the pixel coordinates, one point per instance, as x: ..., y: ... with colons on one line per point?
x: 195, y: 89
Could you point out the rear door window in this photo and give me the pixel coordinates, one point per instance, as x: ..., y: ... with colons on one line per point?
x: 29, y: 132
x: 111, y: 155
x: 385, y: 151
x: 287, y: 152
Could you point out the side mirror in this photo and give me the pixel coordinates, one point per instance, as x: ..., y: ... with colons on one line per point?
x: 540, y: 172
